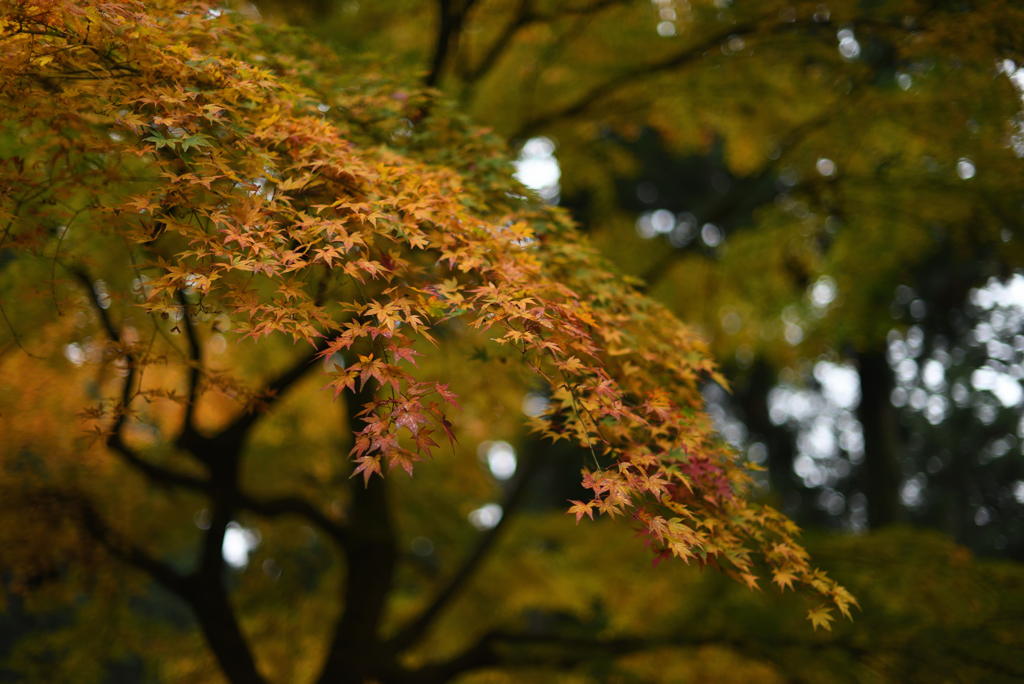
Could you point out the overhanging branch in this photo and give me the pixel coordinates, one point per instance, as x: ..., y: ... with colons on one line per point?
x: 293, y: 505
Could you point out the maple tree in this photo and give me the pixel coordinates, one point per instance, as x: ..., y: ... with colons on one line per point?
x: 174, y: 177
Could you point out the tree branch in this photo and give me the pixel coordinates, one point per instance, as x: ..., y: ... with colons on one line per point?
x: 630, y: 76
x: 14, y: 335
x: 195, y: 363
x: 293, y: 505
x: 495, y: 649
x: 237, y: 429
x: 207, y: 598
x: 415, y: 629
x: 523, y: 18
x: 681, y: 59
x: 125, y: 550
x: 445, y: 29
x: 115, y: 441
x: 204, y: 591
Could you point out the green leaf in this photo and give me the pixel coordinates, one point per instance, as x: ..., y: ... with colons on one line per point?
x: 195, y: 140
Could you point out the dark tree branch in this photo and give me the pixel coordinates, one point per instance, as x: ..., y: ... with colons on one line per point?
x: 671, y: 63
x: 207, y: 600
x: 115, y: 441
x: 415, y: 630
x: 559, y: 651
x: 293, y: 505
x: 449, y: 31
x: 523, y: 18
x: 506, y: 649
x: 237, y: 430
x: 158, y: 474
x: 204, y: 591
x: 630, y: 76
x: 125, y: 550
x: 448, y: 24
x: 223, y: 495
x: 520, y: 650
x: 195, y: 363
x: 14, y: 335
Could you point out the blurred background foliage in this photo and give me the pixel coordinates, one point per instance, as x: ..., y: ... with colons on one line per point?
x: 829, y: 192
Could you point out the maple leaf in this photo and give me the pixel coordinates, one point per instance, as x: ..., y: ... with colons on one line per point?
x: 447, y: 426
x: 367, y: 465
x: 424, y: 443
x: 158, y: 137
x: 403, y: 458
x: 344, y: 379
x: 821, y: 616
x: 194, y: 140
x: 370, y: 367
x: 571, y: 365
x: 660, y: 556
x: 843, y: 600
x: 784, y: 578
x: 581, y: 509
x: 410, y: 417
x: 449, y: 397
x: 404, y: 353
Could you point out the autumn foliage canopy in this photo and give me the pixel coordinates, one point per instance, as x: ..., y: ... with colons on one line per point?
x: 169, y: 166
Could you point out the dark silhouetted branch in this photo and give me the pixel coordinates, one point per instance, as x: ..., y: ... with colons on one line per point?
x: 413, y: 631
x: 293, y: 505
x: 239, y: 428
x: 125, y: 550
x: 524, y: 17
x: 115, y: 440
x: 195, y: 362
x: 629, y: 77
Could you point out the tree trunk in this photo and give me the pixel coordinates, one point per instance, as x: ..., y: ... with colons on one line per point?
x: 356, y: 654
x: 880, y: 472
